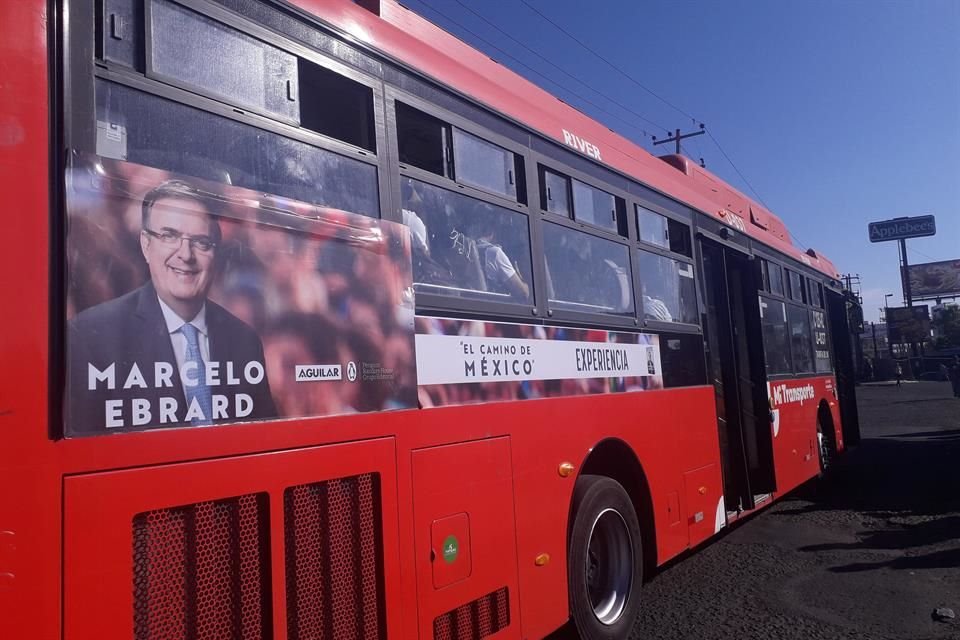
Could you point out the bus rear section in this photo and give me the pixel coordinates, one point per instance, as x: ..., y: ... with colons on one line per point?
x: 313, y: 344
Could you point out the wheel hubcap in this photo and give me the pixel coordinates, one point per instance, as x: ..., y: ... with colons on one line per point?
x: 609, y: 566
x: 824, y: 449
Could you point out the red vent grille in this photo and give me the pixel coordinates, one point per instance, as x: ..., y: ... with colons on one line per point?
x: 478, y: 619
x: 333, y: 559
x: 201, y: 571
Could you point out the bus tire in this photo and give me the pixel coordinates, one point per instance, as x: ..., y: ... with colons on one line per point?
x: 605, y: 561
x: 824, y: 445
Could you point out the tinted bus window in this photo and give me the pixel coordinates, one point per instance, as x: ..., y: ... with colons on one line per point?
x: 816, y: 293
x: 166, y: 135
x: 486, y: 166
x: 594, y: 206
x: 188, y: 47
x: 821, y: 342
x: 466, y: 248
x: 776, y: 344
x: 556, y: 193
x: 776, y: 278
x: 669, y: 293
x: 336, y: 106
x: 796, y: 286
x: 586, y: 273
x: 663, y: 231
x: 801, y: 342
x: 422, y: 140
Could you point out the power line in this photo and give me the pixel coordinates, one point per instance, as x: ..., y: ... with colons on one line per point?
x: 742, y: 177
x: 648, y: 90
x: 532, y: 70
x: 610, y: 64
x: 558, y: 68
x: 928, y: 257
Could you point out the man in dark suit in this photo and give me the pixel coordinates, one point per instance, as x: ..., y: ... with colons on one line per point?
x: 164, y: 355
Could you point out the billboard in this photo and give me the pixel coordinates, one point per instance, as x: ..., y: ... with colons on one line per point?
x: 908, y: 324
x: 195, y: 303
x: 933, y: 279
x: 902, y: 228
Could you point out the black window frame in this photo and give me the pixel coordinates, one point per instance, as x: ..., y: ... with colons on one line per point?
x: 676, y: 257
x: 792, y: 290
x: 672, y: 219
x: 435, y: 303
x: 589, y: 317
x: 623, y: 225
x: 555, y: 163
x: 452, y: 123
x: 150, y: 70
x: 789, y: 372
x: 82, y: 70
x: 805, y: 311
x: 545, y: 196
x: 658, y: 204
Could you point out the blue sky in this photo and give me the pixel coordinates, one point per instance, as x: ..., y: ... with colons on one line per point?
x: 837, y: 113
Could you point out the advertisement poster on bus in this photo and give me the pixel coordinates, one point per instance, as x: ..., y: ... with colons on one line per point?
x: 195, y: 303
x: 934, y: 279
x: 465, y: 361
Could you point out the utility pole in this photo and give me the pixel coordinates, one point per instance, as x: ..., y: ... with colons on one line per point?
x: 677, y: 137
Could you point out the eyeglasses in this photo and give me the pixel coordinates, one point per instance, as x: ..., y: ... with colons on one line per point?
x: 171, y: 238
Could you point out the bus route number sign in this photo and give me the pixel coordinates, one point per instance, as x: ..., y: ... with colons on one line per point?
x: 901, y: 228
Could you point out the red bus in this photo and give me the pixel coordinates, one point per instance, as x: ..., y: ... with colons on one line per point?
x: 332, y: 327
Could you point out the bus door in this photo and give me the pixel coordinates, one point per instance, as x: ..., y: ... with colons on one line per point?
x: 842, y: 334
x: 738, y: 373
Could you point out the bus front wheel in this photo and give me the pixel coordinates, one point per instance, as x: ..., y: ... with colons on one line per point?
x: 605, y: 563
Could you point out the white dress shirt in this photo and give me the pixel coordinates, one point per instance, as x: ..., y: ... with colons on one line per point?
x: 178, y: 340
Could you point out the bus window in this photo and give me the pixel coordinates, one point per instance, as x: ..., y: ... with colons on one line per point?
x: 120, y: 33
x: 669, y: 293
x: 764, y: 269
x: 796, y: 287
x: 816, y: 293
x: 486, y: 166
x: 801, y: 342
x: 776, y: 278
x: 555, y: 193
x: 821, y: 342
x: 776, y: 344
x: 586, y: 273
x: 164, y: 134
x: 663, y: 232
x: 336, y: 106
x: 464, y: 247
x: 247, y: 72
x: 594, y: 206
x: 422, y: 141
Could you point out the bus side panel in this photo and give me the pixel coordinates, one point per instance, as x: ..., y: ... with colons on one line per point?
x: 795, y: 404
x: 671, y: 432
x: 30, y: 498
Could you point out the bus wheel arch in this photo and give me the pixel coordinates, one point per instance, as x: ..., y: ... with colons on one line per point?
x: 615, y: 459
x: 826, y: 436
x: 608, y: 551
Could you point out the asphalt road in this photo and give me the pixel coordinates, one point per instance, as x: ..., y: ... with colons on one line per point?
x: 867, y: 555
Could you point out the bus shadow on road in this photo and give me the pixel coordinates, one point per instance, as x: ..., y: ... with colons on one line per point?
x: 901, y: 494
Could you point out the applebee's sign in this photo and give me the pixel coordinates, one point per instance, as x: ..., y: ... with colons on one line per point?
x: 901, y: 228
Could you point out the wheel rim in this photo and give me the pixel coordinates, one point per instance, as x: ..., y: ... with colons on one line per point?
x: 609, y: 566
x: 822, y: 444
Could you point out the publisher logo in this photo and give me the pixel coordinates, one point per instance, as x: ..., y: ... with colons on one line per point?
x: 351, y: 371
x: 318, y: 372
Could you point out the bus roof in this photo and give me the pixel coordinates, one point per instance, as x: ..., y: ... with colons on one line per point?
x: 410, y: 39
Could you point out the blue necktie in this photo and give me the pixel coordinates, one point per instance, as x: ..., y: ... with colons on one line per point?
x: 201, y: 390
